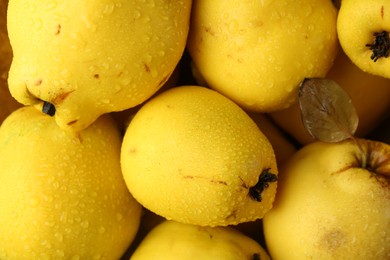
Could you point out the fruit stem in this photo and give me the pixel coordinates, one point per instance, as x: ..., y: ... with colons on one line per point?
x: 48, y: 108
x: 381, y: 45
x: 264, y: 179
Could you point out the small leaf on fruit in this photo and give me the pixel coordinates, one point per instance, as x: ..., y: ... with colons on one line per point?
x: 327, y: 110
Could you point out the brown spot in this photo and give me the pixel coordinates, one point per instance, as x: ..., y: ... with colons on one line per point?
x: 60, y: 98
x: 38, y: 82
x: 132, y: 151
x: 72, y: 122
x: 58, y: 29
x: 232, y: 215
x: 219, y: 182
x: 163, y: 80
x: 382, y: 11
x: 120, y: 74
x: 209, y: 30
x: 243, y: 183
x: 204, y: 178
x: 333, y: 239
x: 147, y: 68
x: 96, y: 76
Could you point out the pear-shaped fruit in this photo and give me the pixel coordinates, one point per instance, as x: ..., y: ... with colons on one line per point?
x: 87, y: 58
x: 257, y: 52
x: 62, y: 195
x: 192, y: 155
x: 363, y: 31
x: 174, y: 240
x: 7, y: 103
x: 333, y: 202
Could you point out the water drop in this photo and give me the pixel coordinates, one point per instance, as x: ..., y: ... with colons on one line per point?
x: 233, y: 26
x: 102, y: 230
x: 38, y: 24
x: 137, y: 14
x: 84, y: 224
x: 51, y: 5
x: 109, y: 8
x: 59, y: 237
x: 34, y: 201
x: 75, y: 257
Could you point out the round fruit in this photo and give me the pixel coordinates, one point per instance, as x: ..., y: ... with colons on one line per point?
x: 174, y: 240
x: 333, y: 202
x: 192, y: 155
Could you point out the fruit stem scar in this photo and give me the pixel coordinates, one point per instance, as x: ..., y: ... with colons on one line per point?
x: 381, y: 45
x: 264, y: 179
x: 48, y: 108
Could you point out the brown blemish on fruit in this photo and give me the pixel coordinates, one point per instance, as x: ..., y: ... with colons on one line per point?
x: 163, y: 80
x: 382, y: 11
x: 58, y: 29
x: 332, y: 240
x: 232, y: 215
x: 96, y: 76
x: 209, y: 30
x: 61, y: 97
x: 243, y: 184
x: 38, y: 82
x: 72, y: 122
x: 204, y: 178
x: 147, y: 68
x: 132, y: 151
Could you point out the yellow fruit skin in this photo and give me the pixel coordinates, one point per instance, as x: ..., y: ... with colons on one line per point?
x: 283, y: 147
x: 357, y: 22
x: 191, y: 155
x: 369, y: 94
x: 7, y: 103
x: 174, y: 240
x: 328, y: 207
x: 93, y: 57
x: 257, y: 52
x: 62, y: 195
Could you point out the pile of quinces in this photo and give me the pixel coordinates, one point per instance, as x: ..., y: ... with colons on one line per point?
x: 154, y: 129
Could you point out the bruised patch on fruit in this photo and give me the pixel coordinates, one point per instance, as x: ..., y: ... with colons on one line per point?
x: 381, y: 46
x: 60, y: 97
x: 382, y: 11
x: 333, y: 239
x: 38, y: 82
x: 265, y: 178
x: 58, y: 30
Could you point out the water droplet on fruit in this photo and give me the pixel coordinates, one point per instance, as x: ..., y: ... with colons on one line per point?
x: 84, y: 224
x: 119, y: 216
x: 137, y: 14
x: 102, y: 230
x: 59, y: 236
x: 38, y: 24
x: 51, y: 5
x: 34, y: 202
x: 109, y: 8
x: 233, y: 26
x: 75, y: 257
